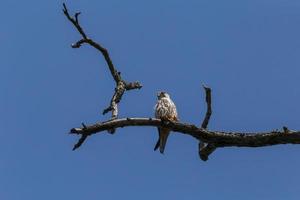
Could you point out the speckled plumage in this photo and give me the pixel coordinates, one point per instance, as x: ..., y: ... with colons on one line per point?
x: 165, y: 109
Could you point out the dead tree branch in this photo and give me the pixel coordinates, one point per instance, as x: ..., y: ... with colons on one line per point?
x: 217, y: 138
x: 209, y: 110
x: 205, y: 149
x: 121, y: 85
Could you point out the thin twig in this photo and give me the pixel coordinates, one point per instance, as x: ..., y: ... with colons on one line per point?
x: 75, y: 22
x: 209, y: 110
x: 80, y: 142
x: 205, y: 149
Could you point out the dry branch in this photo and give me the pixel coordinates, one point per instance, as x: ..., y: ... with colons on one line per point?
x: 209, y: 110
x: 205, y: 149
x: 218, y: 138
x: 121, y: 85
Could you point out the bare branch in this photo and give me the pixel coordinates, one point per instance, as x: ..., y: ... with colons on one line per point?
x: 80, y: 142
x: 119, y: 91
x: 209, y: 110
x: 75, y: 21
x: 215, y: 139
x: 205, y: 149
x: 133, y: 85
x: 82, y: 139
x: 121, y: 85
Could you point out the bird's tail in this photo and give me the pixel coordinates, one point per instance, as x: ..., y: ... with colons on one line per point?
x: 157, y: 144
x: 163, y: 137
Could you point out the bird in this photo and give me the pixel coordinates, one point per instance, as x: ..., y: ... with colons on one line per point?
x: 165, y: 109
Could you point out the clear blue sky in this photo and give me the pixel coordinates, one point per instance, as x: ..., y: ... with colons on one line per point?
x: 246, y: 51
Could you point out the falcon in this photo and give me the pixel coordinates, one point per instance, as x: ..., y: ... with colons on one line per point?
x: 165, y: 109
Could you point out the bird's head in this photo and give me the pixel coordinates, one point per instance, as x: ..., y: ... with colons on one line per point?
x: 162, y: 95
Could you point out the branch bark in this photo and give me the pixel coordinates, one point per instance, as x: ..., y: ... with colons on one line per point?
x: 205, y: 149
x: 121, y: 85
x: 209, y: 110
x: 217, y: 138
